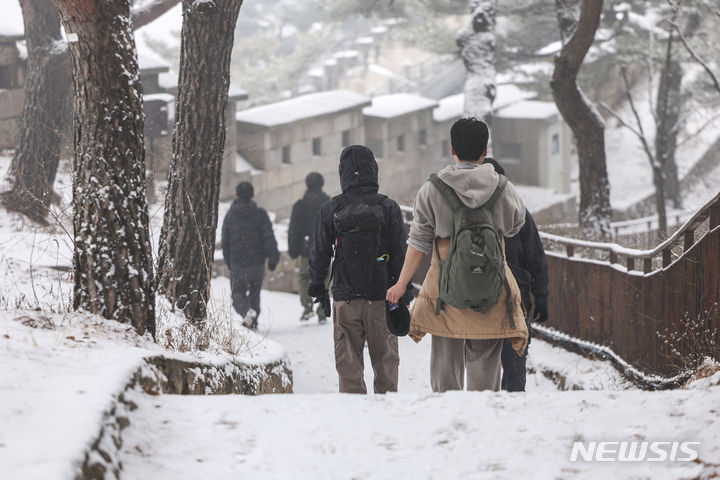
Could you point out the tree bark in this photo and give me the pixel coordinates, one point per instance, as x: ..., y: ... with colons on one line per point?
x: 477, y: 50
x: 112, y: 257
x: 34, y: 166
x: 187, y: 241
x: 668, y: 111
x: 585, y: 122
x: 46, y: 106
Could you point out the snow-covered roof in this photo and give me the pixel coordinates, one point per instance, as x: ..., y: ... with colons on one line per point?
x: 302, y: 107
x: 550, y: 49
x: 397, y: 104
x: 530, y: 109
x: 165, y: 97
x: 11, y: 21
x: 454, y: 105
x: 149, y: 59
x: 237, y: 93
x: 168, y: 80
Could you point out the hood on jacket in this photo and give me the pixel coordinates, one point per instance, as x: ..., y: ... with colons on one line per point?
x: 473, y: 186
x: 358, y: 170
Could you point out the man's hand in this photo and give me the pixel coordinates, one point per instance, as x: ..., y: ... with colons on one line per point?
x: 395, y: 292
x: 321, y: 296
x: 540, y: 313
x: 272, y: 265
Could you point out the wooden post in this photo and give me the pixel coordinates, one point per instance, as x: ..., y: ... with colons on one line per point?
x: 630, y: 264
x: 667, y: 257
x: 689, y: 239
x: 715, y: 215
x: 570, y: 250
x: 613, y: 257
x: 647, y: 265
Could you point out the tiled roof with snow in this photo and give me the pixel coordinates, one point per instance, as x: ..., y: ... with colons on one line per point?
x: 528, y: 109
x: 454, y: 105
x: 302, y: 107
x: 397, y: 104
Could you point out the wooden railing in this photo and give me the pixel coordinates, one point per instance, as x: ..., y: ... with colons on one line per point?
x: 637, y: 302
x: 645, y: 305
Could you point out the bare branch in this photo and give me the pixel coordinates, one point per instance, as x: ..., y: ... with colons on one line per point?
x: 643, y: 137
x: 696, y: 57
x: 620, y: 119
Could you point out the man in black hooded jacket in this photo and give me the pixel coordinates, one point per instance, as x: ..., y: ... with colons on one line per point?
x: 247, y: 240
x: 526, y: 257
x: 364, y: 232
x: 300, y: 235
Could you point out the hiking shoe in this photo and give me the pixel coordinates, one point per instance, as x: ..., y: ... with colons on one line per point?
x: 250, y: 319
x: 322, y: 320
x: 306, y: 316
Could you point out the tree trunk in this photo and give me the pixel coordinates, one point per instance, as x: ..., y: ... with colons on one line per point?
x: 585, y: 122
x: 112, y: 257
x: 668, y: 111
x: 47, y: 106
x: 659, y: 182
x: 477, y: 50
x: 187, y: 241
x: 34, y: 166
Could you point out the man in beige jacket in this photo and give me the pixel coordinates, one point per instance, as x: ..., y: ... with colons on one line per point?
x: 462, y: 339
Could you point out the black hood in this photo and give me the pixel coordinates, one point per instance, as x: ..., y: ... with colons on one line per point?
x: 358, y: 170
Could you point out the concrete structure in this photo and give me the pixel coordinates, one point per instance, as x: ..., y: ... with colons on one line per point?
x: 280, y: 143
x: 533, y: 143
x: 399, y: 128
x: 529, y: 138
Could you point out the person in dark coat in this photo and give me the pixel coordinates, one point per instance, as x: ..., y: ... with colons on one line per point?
x: 300, y: 234
x: 247, y: 240
x: 359, y: 317
x: 525, y: 255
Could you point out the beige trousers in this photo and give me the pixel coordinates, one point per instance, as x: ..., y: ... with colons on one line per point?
x: 353, y: 323
x: 451, y: 357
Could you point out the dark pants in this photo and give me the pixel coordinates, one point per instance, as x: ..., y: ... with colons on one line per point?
x: 513, y: 366
x: 246, y: 283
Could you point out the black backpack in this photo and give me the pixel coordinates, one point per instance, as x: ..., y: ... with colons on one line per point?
x: 360, y: 255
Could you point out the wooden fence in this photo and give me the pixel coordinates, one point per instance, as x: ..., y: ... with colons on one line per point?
x: 638, y: 303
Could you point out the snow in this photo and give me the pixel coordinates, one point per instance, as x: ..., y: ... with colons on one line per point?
x: 302, y: 107
x: 11, y: 20
x: 530, y: 109
x: 397, y: 104
x: 164, y: 29
x: 550, y: 49
x: 414, y: 435
x: 539, y: 198
x: 149, y: 59
x: 453, y: 106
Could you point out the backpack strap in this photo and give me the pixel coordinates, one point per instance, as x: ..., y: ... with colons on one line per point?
x: 447, y: 192
x: 500, y: 187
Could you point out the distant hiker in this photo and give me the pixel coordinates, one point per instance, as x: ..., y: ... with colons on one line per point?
x: 526, y: 257
x: 465, y: 339
x: 300, y: 236
x: 365, y: 232
x: 247, y: 240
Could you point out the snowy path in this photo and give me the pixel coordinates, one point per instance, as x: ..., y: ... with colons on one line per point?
x: 317, y: 433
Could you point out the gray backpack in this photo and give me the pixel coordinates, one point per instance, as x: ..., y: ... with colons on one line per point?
x: 473, y: 275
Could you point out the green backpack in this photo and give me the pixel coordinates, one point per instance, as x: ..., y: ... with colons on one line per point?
x: 473, y: 275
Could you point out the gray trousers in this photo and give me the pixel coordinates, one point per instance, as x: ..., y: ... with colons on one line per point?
x: 353, y: 323
x: 451, y: 357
